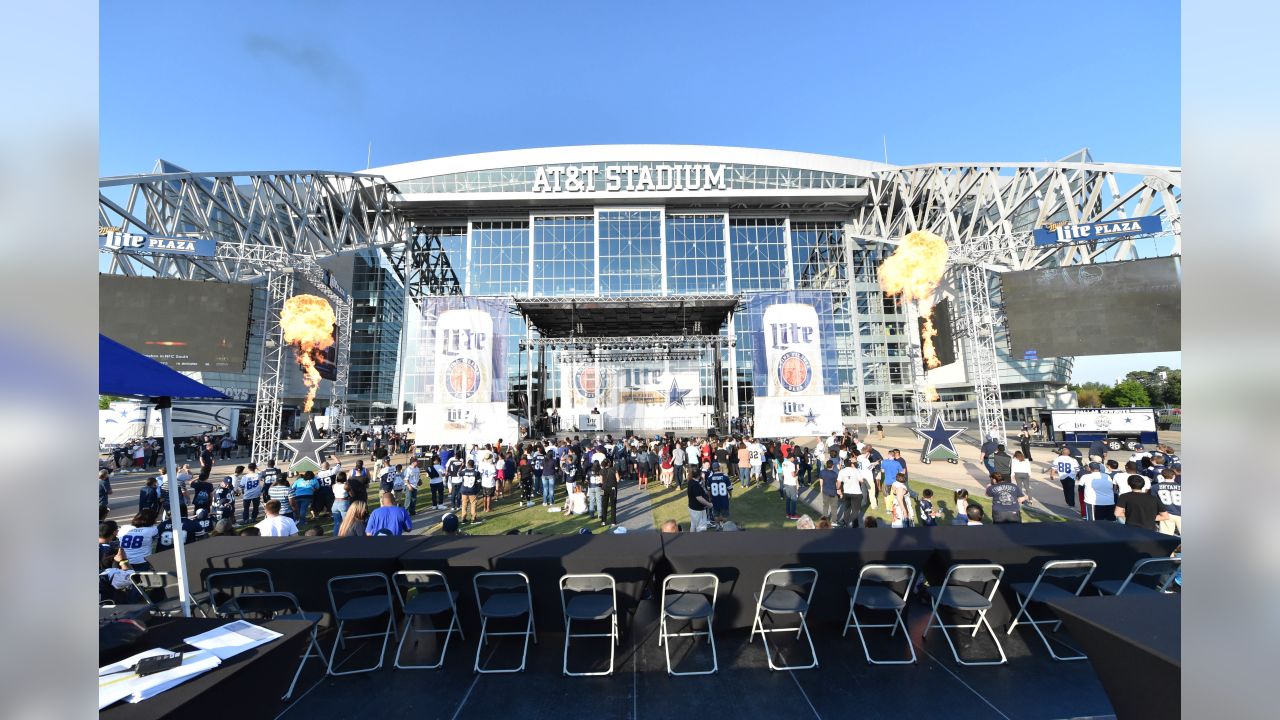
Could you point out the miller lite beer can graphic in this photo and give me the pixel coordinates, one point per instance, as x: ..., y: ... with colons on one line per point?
x: 793, y: 349
x: 464, y: 356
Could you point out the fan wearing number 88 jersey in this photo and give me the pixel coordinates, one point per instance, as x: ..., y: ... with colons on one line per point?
x: 719, y: 488
x: 1168, y: 488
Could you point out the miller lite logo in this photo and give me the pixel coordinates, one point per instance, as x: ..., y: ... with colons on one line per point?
x: 794, y: 372
x: 462, y: 378
x: 793, y: 349
x: 589, y: 382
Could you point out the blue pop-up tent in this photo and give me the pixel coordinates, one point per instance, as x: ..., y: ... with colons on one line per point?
x: 127, y: 373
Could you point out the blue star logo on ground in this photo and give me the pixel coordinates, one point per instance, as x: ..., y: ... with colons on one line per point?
x: 308, y: 446
x: 675, y: 396
x: 938, y: 436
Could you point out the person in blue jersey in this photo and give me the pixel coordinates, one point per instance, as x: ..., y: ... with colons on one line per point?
x: 720, y: 488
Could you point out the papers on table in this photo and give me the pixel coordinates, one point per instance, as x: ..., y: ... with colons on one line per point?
x: 118, y: 681
x: 127, y: 684
x: 232, y: 639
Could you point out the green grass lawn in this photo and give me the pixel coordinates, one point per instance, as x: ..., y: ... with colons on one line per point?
x: 509, y: 514
x: 756, y: 508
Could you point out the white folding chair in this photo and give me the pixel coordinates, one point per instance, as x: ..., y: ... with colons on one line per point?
x: 1046, y: 587
x: 594, y: 597
x: 874, y: 590
x: 505, y: 595
x: 684, y: 598
x: 963, y: 598
x: 224, y: 586
x: 785, y: 591
x: 154, y: 582
x: 283, y: 606
x: 356, y: 598
x: 1159, y: 571
x: 425, y: 593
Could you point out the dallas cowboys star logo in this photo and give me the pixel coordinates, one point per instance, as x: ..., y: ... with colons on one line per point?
x: 675, y: 396
x: 475, y: 422
x: 811, y: 418
x: 938, y: 436
x: 308, y: 446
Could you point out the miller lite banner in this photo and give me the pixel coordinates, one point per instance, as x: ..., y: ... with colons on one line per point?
x: 636, y: 395
x: 463, y: 355
x: 793, y: 358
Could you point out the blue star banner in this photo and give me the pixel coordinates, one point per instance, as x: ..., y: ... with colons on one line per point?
x: 939, y: 440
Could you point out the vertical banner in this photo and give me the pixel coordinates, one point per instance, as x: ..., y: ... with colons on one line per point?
x: 465, y: 357
x: 793, y: 358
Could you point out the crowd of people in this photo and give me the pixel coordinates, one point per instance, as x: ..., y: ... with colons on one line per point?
x: 581, y: 476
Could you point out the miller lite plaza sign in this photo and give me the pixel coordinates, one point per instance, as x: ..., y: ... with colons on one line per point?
x: 629, y: 178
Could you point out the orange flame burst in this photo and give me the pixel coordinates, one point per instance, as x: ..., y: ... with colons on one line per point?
x: 914, y: 271
x: 307, y: 321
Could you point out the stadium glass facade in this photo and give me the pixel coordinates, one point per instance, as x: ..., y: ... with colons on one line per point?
x: 564, y: 226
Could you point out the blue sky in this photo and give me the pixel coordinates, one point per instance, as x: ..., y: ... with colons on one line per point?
x: 239, y: 85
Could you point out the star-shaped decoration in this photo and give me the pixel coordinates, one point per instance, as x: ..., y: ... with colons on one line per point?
x: 308, y: 446
x: 938, y: 436
x: 811, y: 418
x: 475, y: 422
x: 675, y: 396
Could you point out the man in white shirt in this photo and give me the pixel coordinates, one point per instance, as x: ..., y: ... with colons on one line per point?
x: 1065, y: 468
x: 790, y: 486
x: 275, y: 524
x: 757, y: 459
x: 849, y: 490
x: 249, y: 487
x: 488, y: 482
x: 1099, y: 496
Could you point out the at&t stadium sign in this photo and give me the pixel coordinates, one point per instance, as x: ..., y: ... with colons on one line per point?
x: 629, y: 178
x: 110, y: 238
x: 1085, y: 232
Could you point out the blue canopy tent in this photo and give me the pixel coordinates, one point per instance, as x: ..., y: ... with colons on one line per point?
x: 127, y: 373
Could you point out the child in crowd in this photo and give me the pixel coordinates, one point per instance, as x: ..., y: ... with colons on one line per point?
x: 962, y: 507
x: 927, y: 511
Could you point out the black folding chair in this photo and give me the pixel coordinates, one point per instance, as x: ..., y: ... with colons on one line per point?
x: 283, y: 606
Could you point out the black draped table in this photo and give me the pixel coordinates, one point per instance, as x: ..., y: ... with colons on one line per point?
x: 250, y: 683
x: 630, y: 558
x: 1023, y: 549
x: 741, y: 559
x: 1135, y: 645
x: 460, y: 557
x: 298, y: 565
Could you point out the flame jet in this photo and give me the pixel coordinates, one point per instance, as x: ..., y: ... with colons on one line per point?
x: 307, y: 321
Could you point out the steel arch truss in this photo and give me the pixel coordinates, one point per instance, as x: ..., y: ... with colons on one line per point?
x: 987, y: 213
x: 253, y: 216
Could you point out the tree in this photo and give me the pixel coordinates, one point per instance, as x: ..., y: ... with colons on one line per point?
x: 104, y: 401
x: 1128, y: 393
x: 1171, y: 394
x: 1089, y: 398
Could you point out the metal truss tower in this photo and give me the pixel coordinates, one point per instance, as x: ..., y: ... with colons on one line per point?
x: 267, y: 407
x: 977, y: 323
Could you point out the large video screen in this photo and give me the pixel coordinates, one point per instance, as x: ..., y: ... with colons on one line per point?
x: 187, y: 325
x: 1102, y: 309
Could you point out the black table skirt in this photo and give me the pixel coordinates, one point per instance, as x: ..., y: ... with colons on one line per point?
x: 741, y: 559
x: 304, y: 567
x: 218, y: 553
x: 251, y: 682
x: 631, y: 559
x: 1135, y: 645
x: 460, y: 558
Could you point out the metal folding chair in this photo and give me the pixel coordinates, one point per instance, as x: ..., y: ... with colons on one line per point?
x: 594, y: 597
x: 425, y: 593
x: 354, y: 598
x: 283, y: 606
x: 684, y: 598
x: 966, y: 599
x: 225, y: 585
x: 152, y: 583
x: 505, y: 595
x: 1157, y: 571
x: 1046, y: 587
x: 785, y: 591
x: 874, y: 590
